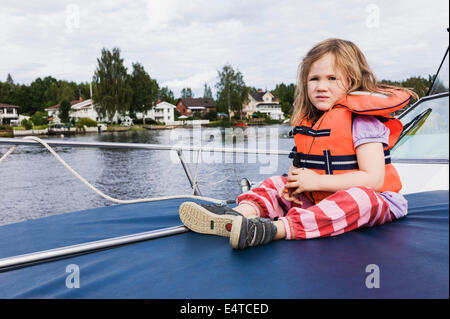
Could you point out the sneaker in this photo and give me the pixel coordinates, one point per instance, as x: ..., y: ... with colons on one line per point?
x: 208, y: 219
x: 251, y: 232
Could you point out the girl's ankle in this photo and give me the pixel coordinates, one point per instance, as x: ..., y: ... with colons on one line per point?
x: 246, y: 210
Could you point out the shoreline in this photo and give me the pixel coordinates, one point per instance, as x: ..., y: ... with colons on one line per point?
x: 77, y: 131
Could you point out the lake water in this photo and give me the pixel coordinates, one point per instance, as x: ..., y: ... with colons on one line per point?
x: 34, y: 184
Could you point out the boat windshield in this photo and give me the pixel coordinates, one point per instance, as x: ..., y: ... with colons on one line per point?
x: 426, y: 131
x: 441, y: 82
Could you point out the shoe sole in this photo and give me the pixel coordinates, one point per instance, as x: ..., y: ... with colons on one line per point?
x: 236, y: 232
x: 201, y: 220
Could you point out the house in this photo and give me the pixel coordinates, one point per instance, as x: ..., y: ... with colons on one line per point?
x: 190, y: 105
x: 8, y: 113
x: 161, y: 112
x: 79, y: 108
x: 264, y: 102
x: 84, y: 108
x: 127, y: 121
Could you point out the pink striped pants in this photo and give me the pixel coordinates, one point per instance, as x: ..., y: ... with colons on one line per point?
x: 340, y: 212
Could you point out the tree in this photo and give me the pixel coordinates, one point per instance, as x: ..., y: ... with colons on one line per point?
x: 39, y: 118
x: 207, y: 93
x: 437, y: 83
x: 165, y: 94
x: 286, y: 95
x: 22, y: 96
x: 186, y: 92
x: 145, y: 90
x: 416, y: 83
x: 231, y: 90
x: 9, y: 79
x: 37, y: 89
x: 111, y: 85
x: 64, y: 111
x: 7, y: 92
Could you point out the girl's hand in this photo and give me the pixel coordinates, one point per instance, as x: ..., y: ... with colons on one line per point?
x: 303, y: 180
x: 286, y: 193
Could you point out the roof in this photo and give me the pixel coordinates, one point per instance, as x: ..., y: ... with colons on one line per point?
x: 55, y: 107
x: 9, y: 106
x: 268, y: 104
x: 164, y: 104
x: 258, y: 96
x: 205, y: 102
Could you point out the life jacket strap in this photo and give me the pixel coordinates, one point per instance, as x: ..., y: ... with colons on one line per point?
x: 328, y: 162
x: 306, y: 130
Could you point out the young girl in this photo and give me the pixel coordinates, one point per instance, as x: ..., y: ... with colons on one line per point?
x: 341, y: 178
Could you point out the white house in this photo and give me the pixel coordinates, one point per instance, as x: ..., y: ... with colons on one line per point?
x: 8, y: 113
x: 161, y: 112
x: 264, y: 102
x: 79, y: 108
x: 84, y: 108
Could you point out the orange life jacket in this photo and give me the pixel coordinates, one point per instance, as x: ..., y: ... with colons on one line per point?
x: 327, y: 146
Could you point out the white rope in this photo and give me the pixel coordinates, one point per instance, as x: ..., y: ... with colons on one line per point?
x: 221, y: 181
x: 196, y: 173
x: 115, y: 200
x: 7, y: 153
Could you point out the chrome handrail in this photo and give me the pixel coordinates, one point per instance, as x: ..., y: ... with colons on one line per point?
x: 143, y: 146
x: 24, y: 260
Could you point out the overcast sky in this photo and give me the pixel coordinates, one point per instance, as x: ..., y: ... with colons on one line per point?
x: 183, y: 43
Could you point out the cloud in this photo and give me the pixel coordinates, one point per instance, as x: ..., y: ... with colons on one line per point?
x: 184, y: 43
x: 195, y: 82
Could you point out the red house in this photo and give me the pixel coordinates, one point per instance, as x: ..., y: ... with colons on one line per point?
x: 190, y: 105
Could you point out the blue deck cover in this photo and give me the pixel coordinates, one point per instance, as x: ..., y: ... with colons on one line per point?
x: 412, y: 256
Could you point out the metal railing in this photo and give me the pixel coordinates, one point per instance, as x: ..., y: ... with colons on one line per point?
x: 19, y: 261
x: 141, y: 146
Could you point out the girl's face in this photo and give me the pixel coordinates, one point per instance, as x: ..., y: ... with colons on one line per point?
x: 325, y: 84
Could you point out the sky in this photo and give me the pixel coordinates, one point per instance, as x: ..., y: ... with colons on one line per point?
x: 184, y: 43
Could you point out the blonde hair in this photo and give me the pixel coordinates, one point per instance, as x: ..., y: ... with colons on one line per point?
x: 352, y: 63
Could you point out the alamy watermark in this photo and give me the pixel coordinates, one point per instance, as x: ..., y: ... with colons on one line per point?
x: 73, y: 279
x: 243, y: 145
x: 373, y: 279
x: 72, y: 17
x: 373, y: 19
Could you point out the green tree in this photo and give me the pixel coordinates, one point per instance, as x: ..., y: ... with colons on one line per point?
x: 286, y: 95
x: 207, y: 93
x: 165, y: 94
x: 186, y: 92
x: 7, y: 92
x: 68, y: 91
x: 9, y: 79
x: 437, y: 84
x: 416, y: 83
x: 145, y: 90
x: 38, y: 89
x: 27, y: 124
x: 64, y: 111
x: 39, y: 118
x: 23, y: 97
x: 231, y: 90
x: 112, y: 92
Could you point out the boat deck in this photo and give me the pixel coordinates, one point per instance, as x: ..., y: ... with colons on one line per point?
x: 412, y: 255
